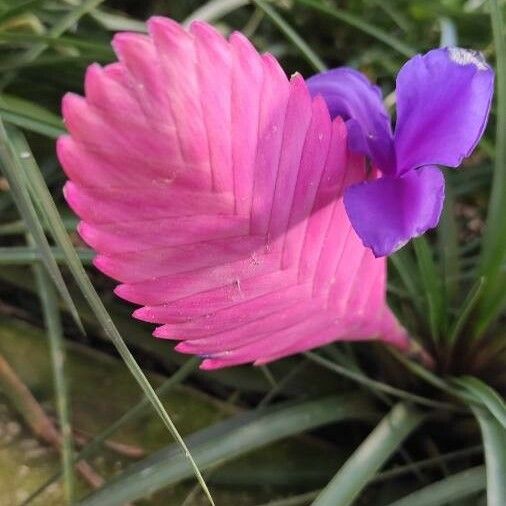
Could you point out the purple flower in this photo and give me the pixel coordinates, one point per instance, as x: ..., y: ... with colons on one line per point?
x: 443, y: 102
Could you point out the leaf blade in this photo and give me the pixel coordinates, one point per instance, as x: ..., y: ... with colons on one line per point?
x: 361, y: 467
x: 228, y: 440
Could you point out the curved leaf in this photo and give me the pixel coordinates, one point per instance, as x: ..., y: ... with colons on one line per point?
x: 494, y: 441
x: 362, y: 466
x: 453, y: 488
x: 228, y: 440
x: 485, y: 395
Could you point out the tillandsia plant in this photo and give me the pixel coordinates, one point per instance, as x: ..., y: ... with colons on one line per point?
x: 251, y: 216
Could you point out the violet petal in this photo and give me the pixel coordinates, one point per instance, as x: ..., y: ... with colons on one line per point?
x: 387, y: 212
x: 443, y: 102
x: 349, y: 94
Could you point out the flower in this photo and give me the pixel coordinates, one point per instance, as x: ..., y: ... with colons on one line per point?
x: 443, y: 102
x: 211, y: 187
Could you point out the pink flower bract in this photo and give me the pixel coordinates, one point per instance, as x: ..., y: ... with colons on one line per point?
x: 211, y: 188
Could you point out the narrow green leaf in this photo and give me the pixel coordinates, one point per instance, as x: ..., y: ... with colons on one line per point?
x: 55, y: 333
x: 117, y: 22
x: 448, y: 242
x: 453, y: 488
x: 91, y: 48
x: 360, y: 24
x: 59, y: 233
x: 465, y: 311
x: 19, y: 9
x: 296, y: 500
x: 59, y: 28
x: 422, y: 372
x: 370, y: 456
x: 22, y: 255
x: 494, y: 244
x: 215, y: 10
x: 228, y: 440
x: 13, y: 171
x: 18, y: 227
x: 494, y: 440
x: 405, y: 266
x: 389, y: 474
x: 431, y: 282
x: 30, y: 116
x: 306, y: 51
x: 378, y: 385
x: 492, y: 305
x: 485, y: 395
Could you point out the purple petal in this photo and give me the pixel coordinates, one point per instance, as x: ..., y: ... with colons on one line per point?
x: 349, y: 94
x: 388, y: 212
x: 443, y: 101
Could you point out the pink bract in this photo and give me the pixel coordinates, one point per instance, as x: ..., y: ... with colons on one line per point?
x: 211, y: 188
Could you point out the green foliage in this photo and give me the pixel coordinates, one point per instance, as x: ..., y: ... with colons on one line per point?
x: 244, y: 427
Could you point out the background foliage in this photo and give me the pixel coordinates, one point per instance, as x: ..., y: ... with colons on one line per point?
x: 342, y: 424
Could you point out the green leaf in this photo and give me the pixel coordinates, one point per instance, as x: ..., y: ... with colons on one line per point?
x: 215, y: 10
x: 22, y: 255
x: 494, y: 243
x: 453, y: 488
x: 448, y: 242
x: 117, y: 22
x: 13, y: 170
x: 55, y: 334
x: 228, y: 440
x: 494, y: 440
x: 370, y: 456
x: 431, y: 282
x: 406, y: 267
x: 46, y: 203
x: 18, y: 10
x: 306, y: 51
x: 360, y: 24
x: 362, y: 379
x: 465, y: 311
x: 485, y: 395
x: 63, y: 24
x: 30, y: 116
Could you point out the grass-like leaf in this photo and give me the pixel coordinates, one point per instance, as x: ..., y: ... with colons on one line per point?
x: 360, y: 24
x: 214, y: 10
x: 494, y: 244
x: 465, y: 311
x: 19, y: 9
x: 448, y: 242
x: 21, y: 255
x: 485, y: 395
x: 454, y: 488
x: 385, y: 388
x: 431, y: 282
x: 13, y: 170
x: 494, y: 440
x: 60, y: 27
x: 306, y: 51
x: 370, y: 456
x: 228, y: 440
x: 30, y: 116
x: 55, y: 334
x: 404, y: 264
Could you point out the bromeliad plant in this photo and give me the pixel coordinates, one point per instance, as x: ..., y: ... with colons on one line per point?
x: 250, y: 216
